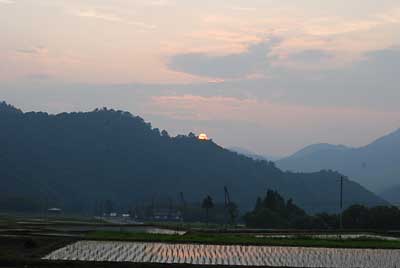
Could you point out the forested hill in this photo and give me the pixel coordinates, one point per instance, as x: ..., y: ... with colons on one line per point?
x: 73, y: 160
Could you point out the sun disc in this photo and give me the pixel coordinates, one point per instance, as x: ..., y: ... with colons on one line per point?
x: 202, y: 136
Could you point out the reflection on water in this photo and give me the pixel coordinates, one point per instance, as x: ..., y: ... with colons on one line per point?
x: 132, y: 229
x: 331, y: 236
x: 226, y: 255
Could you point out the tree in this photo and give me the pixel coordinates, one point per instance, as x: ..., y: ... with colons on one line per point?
x: 233, y: 211
x: 356, y: 216
x: 164, y: 133
x: 207, y: 204
x: 274, y: 212
x: 274, y: 201
x: 384, y: 217
x: 259, y: 204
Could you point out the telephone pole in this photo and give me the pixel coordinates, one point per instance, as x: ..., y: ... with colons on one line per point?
x: 341, y: 203
x: 183, y: 204
x: 227, y: 204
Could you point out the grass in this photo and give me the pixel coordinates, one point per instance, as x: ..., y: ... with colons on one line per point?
x: 238, y: 239
x: 186, y: 225
x: 7, y: 221
x: 29, y: 247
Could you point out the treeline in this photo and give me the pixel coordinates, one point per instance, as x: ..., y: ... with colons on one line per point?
x: 381, y: 217
x: 273, y: 211
x: 70, y: 160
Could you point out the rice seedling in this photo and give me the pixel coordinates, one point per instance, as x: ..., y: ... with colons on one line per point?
x: 143, y: 252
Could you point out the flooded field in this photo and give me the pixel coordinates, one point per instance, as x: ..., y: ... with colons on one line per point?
x: 227, y: 255
x: 132, y: 229
x: 333, y: 236
x: 79, y: 230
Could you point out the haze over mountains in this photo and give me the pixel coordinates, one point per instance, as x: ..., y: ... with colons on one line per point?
x: 392, y: 194
x: 73, y: 160
x: 375, y: 166
x: 253, y: 155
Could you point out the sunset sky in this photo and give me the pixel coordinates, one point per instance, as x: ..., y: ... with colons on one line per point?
x: 270, y: 76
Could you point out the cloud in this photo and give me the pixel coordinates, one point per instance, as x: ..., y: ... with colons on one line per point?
x: 308, y: 59
x: 338, y: 26
x: 384, y: 62
x: 260, y: 114
x: 228, y: 36
x: 39, y: 76
x: 264, y: 125
x: 392, y: 16
x: 244, y: 9
x: 7, y: 2
x: 38, y: 50
x: 160, y: 3
x: 257, y: 111
x: 308, y: 76
x: 253, y: 62
x: 111, y: 17
x: 238, y: 65
x: 370, y: 81
x: 101, y: 16
x: 311, y: 55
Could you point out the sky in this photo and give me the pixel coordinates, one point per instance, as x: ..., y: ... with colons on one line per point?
x: 269, y: 76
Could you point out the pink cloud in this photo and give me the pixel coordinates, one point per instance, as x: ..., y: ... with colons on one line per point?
x: 262, y: 112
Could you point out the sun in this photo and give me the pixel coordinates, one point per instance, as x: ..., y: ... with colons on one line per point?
x: 202, y: 136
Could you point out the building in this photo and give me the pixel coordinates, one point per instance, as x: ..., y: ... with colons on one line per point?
x: 54, y: 211
x: 167, y: 215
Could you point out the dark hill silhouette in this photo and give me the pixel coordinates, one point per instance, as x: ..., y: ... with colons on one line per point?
x: 248, y: 153
x: 375, y: 166
x: 73, y: 160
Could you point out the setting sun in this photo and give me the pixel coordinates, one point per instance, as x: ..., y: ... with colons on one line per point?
x: 203, y: 136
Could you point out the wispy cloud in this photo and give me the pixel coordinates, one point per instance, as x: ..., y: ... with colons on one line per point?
x: 111, y: 17
x: 161, y: 3
x: 7, y: 2
x: 38, y: 76
x: 97, y: 15
x: 237, y: 65
x: 262, y: 112
x: 38, y: 50
x: 392, y: 16
x: 244, y: 9
x: 228, y: 36
x: 336, y: 26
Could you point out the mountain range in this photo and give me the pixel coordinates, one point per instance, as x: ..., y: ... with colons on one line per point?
x: 376, y: 165
x: 73, y: 160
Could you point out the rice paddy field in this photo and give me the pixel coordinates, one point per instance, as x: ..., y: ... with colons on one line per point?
x: 237, y: 255
x: 36, y: 243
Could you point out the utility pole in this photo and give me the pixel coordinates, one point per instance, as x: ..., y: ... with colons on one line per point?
x: 183, y: 204
x: 152, y: 208
x: 169, y: 207
x: 227, y: 203
x: 341, y: 203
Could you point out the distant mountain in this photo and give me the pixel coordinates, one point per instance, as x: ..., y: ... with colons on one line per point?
x: 392, y: 195
x: 253, y: 155
x: 247, y: 153
x: 75, y: 160
x: 317, y: 148
x: 376, y: 166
